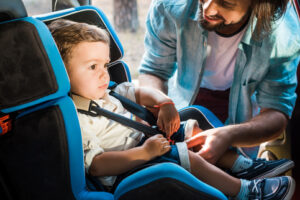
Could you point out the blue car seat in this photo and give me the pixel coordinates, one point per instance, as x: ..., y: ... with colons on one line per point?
x: 41, y: 155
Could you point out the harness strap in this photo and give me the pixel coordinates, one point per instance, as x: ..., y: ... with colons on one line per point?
x: 135, y: 108
x: 91, y: 108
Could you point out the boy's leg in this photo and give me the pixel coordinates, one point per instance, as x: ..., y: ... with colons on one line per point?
x: 228, y: 159
x: 213, y: 176
x: 279, y: 188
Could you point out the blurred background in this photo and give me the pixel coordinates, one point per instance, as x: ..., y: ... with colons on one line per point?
x: 127, y: 17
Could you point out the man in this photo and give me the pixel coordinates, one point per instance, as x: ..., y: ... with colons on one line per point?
x: 239, y: 56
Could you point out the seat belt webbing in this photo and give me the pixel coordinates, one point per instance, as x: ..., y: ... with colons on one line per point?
x: 95, y: 110
x: 135, y: 108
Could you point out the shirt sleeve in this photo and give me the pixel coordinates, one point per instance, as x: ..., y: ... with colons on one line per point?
x: 277, y: 90
x: 127, y: 90
x: 160, y: 43
x: 189, y: 127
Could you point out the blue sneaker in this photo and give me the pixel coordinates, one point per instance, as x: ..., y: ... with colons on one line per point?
x: 262, y: 168
x: 277, y: 188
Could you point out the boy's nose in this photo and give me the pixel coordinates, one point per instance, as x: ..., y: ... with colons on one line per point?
x: 102, y: 74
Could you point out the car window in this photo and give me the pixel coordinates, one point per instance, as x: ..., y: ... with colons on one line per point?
x: 35, y: 7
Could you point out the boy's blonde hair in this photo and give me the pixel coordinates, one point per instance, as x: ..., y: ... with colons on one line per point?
x: 68, y: 34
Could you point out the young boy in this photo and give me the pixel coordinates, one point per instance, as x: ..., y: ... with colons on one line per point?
x: 111, y: 149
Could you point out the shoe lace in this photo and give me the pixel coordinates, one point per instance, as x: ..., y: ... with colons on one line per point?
x: 257, y: 187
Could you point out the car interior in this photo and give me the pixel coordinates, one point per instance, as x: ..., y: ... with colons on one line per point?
x: 41, y: 153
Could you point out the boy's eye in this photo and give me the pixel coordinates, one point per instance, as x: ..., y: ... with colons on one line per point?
x: 93, y: 67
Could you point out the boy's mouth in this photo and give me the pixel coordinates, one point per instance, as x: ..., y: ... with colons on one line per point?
x: 103, y: 86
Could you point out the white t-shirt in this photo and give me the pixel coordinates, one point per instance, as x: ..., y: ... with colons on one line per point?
x: 220, y: 60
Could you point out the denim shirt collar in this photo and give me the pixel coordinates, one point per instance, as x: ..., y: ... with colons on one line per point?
x: 248, y: 36
x: 194, y: 16
x: 195, y: 11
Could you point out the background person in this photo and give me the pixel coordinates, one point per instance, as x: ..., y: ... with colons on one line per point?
x: 238, y: 58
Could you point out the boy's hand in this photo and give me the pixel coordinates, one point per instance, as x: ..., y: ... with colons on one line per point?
x: 156, y: 145
x: 168, y: 119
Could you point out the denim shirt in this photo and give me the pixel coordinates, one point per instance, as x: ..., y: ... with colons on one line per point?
x: 265, y: 71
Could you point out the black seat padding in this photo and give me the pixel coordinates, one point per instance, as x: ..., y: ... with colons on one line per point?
x: 36, y: 146
x: 20, y: 81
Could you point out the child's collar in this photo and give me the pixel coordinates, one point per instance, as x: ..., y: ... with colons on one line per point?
x: 81, y: 103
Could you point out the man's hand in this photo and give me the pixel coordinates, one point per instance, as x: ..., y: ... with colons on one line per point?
x: 156, y: 145
x: 214, y: 143
x: 168, y: 119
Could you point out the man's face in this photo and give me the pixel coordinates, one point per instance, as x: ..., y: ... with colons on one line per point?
x: 223, y: 16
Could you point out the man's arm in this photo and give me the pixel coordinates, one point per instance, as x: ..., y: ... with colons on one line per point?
x: 148, y: 80
x: 158, y: 62
x: 266, y: 126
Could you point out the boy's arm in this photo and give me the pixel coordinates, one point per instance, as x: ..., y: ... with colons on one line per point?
x: 117, y: 162
x: 168, y: 118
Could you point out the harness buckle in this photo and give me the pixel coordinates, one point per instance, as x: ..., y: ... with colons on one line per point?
x: 5, y: 124
x: 171, y: 141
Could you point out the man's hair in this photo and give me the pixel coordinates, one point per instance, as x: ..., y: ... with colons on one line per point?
x: 68, y: 33
x: 266, y: 12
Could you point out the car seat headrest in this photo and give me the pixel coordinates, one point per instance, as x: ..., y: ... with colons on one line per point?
x: 31, y: 68
x: 12, y: 9
x: 90, y: 15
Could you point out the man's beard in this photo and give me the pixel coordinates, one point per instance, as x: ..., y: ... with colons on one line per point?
x: 218, y: 27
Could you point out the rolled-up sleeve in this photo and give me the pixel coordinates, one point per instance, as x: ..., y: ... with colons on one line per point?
x: 126, y: 89
x: 277, y: 90
x: 160, y: 43
x: 189, y: 127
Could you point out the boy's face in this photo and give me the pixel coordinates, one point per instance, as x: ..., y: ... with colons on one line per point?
x: 224, y: 16
x: 87, y: 69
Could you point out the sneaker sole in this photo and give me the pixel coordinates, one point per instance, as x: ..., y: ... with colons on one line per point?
x: 291, y: 189
x: 276, y: 171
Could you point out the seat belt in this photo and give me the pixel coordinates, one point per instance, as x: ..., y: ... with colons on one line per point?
x: 135, y: 108
x: 94, y: 110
